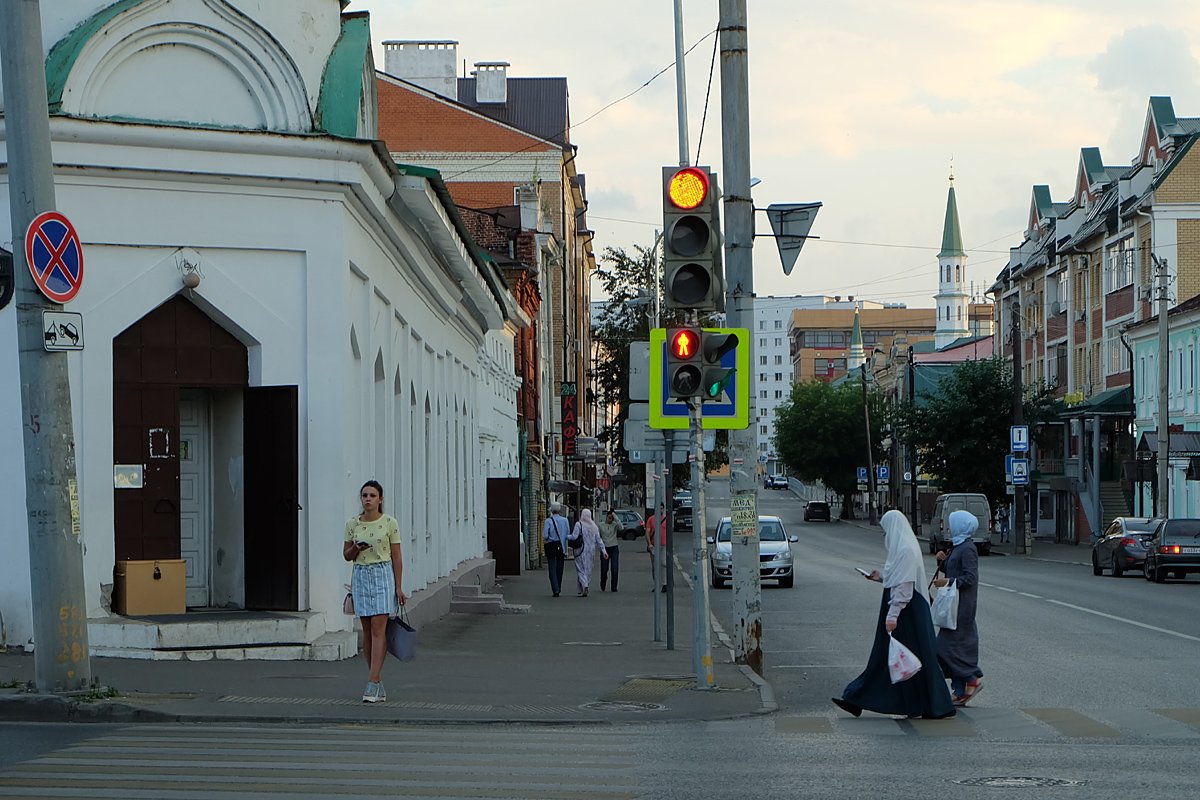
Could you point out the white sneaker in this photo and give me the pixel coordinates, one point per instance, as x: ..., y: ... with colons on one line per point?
x: 373, y: 693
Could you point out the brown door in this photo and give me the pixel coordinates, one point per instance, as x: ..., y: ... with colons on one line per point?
x: 146, y: 432
x: 504, y: 524
x: 272, y: 489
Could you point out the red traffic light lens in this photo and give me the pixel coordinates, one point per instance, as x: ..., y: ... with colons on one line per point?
x: 684, y: 344
x: 688, y: 188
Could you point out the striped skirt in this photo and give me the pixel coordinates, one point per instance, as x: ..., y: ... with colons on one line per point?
x: 374, y: 589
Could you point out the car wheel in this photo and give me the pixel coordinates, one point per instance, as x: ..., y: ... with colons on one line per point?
x: 1117, y: 569
x: 1096, y: 568
x: 1146, y: 571
x: 788, y: 582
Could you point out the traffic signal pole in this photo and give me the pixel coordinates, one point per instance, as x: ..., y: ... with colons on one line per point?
x: 61, y: 658
x: 739, y: 303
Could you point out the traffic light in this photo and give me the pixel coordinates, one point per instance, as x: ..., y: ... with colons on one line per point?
x: 691, y: 240
x: 684, y: 359
x: 716, y: 378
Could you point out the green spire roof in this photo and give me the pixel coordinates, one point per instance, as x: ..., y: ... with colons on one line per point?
x: 856, y: 332
x: 951, y: 235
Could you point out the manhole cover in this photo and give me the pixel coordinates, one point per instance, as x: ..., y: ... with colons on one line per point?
x: 625, y: 705
x: 1011, y: 782
x: 593, y: 644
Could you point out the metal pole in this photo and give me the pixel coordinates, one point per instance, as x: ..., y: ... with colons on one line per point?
x: 1020, y: 543
x: 739, y: 303
x: 870, y: 456
x: 702, y: 663
x: 1163, y: 507
x: 668, y: 558
x: 61, y: 658
x: 680, y: 86
x: 657, y: 552
x: 912, y: 450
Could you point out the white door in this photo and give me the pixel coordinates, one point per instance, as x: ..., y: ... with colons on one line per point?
x: 195, y: 493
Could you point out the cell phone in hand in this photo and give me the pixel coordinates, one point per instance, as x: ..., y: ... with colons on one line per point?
x: 362, y: 545
x: 862, y: 572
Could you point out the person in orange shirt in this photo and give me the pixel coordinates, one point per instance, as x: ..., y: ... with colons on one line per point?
x: 658, y: 520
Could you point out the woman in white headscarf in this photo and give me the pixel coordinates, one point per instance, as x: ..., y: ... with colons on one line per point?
x: 958, y: 649
x: 904, y: 614
x: 585, y: 543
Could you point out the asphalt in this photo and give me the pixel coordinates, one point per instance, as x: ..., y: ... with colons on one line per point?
x: 557, y: 660
x: 562, y: 660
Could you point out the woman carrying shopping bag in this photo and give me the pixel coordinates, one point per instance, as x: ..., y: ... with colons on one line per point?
x: 903, y: 614
x: 958, y: 648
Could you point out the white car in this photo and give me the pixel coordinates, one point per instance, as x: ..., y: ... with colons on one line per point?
x: 774, y: 552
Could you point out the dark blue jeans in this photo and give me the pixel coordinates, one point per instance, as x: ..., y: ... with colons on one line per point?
x: 556, y: 559
x: 614, y: 559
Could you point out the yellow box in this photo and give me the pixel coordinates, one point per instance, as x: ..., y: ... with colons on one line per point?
x: 145, y: 588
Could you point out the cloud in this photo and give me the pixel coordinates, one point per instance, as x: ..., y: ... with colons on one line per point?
x: 1143, y: 61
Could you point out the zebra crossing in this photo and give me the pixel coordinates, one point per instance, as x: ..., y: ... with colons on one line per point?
x: 182, y: 762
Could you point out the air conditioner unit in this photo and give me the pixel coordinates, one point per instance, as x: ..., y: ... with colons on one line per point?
x: 1057, y: 307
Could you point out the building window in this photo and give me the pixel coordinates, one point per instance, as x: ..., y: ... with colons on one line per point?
x: 778, y: 324
x: 1116, y: 356
x: 762, y: 377
x: 778, y: 360
x: 817, y: 340
x: 779, y: 341
x: 762, y: 395
x: 762, y: 360
x: 762, y: 342
x: 762, y: 429
x: 1118, y: 267
x: 778, y: 376
x: 778, y: 394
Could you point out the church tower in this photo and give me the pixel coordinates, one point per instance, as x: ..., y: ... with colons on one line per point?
x: 858, y: 353
x: 952, y: 299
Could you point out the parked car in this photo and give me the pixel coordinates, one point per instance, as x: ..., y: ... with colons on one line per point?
x: 777, y: 482
x: 816, y: 509
x: 1123, y: 545
x: 774, y: 552
x: 632, y: 524
x: 945, y: 505
x: 1173, y: 549
x: 681, y: 519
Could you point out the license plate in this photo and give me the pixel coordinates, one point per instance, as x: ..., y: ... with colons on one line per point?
x: 1190, y: 550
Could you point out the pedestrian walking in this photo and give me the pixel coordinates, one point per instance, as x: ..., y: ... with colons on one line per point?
x: 585, y: 543
x: 373, y: 543
x: 656, y: 523
x: 554, y: 543
x: 610, y: 534
x: 903, y: 614
x: 1002, y: 521
x: 958, y: 649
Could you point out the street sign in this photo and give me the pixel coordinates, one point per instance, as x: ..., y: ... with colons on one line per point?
x: 862, y: 474
x: 54, y: 255
x: 650, y: 456
x: 1020, y: 475
x: 730, y: 411
x: 62, y: 330
x: 883, y: 473
x: 639, y: 372
x: 791, y: 223
x: 1008, y: 459
x: 907, y: 477
x: 1019, y: 438
x: 636, y: 434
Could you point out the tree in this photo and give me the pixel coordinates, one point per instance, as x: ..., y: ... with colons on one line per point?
x: 961, y: 431
x: 821, y: 434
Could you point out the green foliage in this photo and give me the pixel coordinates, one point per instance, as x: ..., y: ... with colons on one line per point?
x: 821, y: 434
x: 962, y: 431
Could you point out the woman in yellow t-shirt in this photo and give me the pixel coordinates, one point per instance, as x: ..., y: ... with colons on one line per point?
x: 373, y: 543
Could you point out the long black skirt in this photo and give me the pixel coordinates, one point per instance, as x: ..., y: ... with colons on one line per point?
x: 924, y: 694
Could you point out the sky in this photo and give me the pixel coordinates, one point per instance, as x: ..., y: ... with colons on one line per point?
x: 863, y: 105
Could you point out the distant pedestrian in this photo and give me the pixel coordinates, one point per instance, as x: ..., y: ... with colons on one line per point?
x: 958, y: 649
x: 610, y: 533
x: 904, y: 614
x: 656, y: 531
x: 585, y: 543
x: 372, y: 542
x: 554, y: 542
x: 1002, y: 522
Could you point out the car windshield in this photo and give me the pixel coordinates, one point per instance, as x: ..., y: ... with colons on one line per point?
x: 817, y: 504
x: 769, y: 530
x: 1181, y: 529
x: 1132, y: 526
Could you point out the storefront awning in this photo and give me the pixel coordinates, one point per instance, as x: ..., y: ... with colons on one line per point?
x: 1184, y: 442
x: 1113, y: 402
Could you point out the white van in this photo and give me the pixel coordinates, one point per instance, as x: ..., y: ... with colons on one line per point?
x: 946, y: 504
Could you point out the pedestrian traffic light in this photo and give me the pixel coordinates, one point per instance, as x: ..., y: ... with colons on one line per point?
x: 716, y: 378
x: 684, y: 361
x: 691, y: 240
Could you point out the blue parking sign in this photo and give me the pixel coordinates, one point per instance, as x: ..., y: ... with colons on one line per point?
x: 862, y: 474
x: 883, y: 473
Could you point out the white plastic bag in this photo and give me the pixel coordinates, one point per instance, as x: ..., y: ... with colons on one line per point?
x: 945, y: 607
x: 902, y: 662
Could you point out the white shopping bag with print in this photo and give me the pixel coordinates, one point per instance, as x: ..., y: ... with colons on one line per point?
x: 902, y: 662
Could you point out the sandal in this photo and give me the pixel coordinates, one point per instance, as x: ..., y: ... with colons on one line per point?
x: 973, y: 688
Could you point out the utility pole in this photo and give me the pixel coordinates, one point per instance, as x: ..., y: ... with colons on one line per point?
x: 912, y: 448
x: 61, y: 659
x: 871, y: 487
x: 1163, y: 508
x: 1020, y: 545
x: 680, y: 86
x: 739, y: 304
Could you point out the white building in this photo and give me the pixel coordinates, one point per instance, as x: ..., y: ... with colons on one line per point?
x: 343, y: 328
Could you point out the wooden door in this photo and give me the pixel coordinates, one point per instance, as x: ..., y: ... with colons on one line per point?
x: 504, y: 524
x: 272, y: 539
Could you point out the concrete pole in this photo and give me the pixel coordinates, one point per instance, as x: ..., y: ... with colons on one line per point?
x: 681, y: 86
x: 871, y: 487
x: 1020, y: 543
x: 912, y: 450
x: 61, y: 658
x: 739, y: 303
x: 1163, y: 509
x: 668, y: 558
x: 702, y: 663
x: 656, y: 554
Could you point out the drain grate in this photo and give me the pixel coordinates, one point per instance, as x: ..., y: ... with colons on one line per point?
x: 646, y: 689
x: 622, y: 705
x: 1012, y: 782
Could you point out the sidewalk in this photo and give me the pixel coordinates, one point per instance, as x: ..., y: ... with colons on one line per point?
x: 565, y: 660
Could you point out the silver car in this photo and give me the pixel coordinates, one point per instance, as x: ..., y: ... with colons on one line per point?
x: 774, y: 552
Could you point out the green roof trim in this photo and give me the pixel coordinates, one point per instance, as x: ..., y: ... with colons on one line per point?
x: 342, y: 84
x: 856, y: 339
x: 951, y: 235
x: 65, y: 52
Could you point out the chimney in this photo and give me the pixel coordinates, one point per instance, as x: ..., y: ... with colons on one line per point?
x: 428, y: 64
x: 491, y: 82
